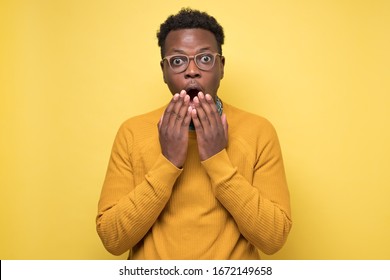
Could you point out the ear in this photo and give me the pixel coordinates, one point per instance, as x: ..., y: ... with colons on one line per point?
x: 222, y: 66
x: 162, y: 69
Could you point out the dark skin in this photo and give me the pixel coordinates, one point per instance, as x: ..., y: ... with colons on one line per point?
x: 211, y: 128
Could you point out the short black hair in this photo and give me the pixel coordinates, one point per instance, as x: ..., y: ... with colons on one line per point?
x: 188, y: 18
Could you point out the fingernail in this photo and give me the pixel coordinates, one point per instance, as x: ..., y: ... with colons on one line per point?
x: 200, y: 94
x: 208, y: 97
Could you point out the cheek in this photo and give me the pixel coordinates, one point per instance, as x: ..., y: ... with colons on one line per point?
x: 214, y: 82
x: 173, y: 84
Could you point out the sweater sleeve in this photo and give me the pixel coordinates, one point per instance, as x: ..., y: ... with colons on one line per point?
x: 126, y: 211
x: 261, y: 208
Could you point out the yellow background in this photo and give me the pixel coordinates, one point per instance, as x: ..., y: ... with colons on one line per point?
x: 72, y: 71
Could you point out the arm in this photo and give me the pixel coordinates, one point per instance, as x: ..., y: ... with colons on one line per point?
x: 126, y: 212
x: 261, y: 207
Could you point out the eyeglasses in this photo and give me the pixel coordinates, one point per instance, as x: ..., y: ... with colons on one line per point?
x: 179, y: 62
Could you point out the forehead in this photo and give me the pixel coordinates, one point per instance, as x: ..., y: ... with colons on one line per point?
x: 190, y: 41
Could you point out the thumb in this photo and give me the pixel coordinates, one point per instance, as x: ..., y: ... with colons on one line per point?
x: 225, y: 125
x: 160, y: 121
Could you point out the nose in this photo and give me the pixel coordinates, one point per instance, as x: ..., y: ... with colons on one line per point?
x: 192, y: 70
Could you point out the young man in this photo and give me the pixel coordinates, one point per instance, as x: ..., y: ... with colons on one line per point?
x: 198, y: 178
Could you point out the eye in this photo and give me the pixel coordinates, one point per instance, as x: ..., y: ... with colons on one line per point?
x: 205, y: 58
x: 178, y: 60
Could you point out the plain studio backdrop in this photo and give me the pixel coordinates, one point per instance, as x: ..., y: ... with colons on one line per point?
x: 72, y: 71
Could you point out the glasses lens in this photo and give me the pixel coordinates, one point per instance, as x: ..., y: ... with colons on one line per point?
x: 178, y: 63
x: 205, y: 61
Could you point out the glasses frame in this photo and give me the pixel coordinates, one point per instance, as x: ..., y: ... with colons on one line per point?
x: 189, y: 57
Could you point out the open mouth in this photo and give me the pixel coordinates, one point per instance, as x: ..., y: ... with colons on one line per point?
x: 192, y: 92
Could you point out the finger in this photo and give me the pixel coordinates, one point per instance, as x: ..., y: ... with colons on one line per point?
x: 210, y: 108
x: 201, y: 114
x: 195, y: 119
x: 182, y: 113
x: 160, y: 121
x: 168, y: 111
x: 187, y: 119
x: 176, y: 109
x: 225, y: 125
x: 215, y: 116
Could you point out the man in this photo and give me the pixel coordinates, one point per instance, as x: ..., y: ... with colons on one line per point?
x: 198, y: 178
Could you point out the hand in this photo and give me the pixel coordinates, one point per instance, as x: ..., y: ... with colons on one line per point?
x: 173, y: 129
x: 211, y: 128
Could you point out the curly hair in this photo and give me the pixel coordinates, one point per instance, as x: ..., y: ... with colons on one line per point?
x: 188, y: 18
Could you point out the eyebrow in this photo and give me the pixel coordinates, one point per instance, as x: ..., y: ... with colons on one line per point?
x: 198, y: 51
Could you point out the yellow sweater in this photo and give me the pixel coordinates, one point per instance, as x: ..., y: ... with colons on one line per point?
x: 225, y: 207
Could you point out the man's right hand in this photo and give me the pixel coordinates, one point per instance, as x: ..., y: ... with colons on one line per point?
x: 173, y: 129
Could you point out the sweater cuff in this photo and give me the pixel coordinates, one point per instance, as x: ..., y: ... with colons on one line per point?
x: 163, y: 173
x: 219, y: 167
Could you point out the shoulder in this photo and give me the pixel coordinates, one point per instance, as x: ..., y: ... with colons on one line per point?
x: 244, y: 122
x: 143, y: 125
x: 146, y: 119
x: 252, y: 132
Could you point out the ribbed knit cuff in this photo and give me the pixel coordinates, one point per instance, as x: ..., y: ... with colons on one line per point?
x: 163, y: 173
x: 219, y: 167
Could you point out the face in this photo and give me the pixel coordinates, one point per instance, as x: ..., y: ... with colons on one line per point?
x: 191, y: 42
